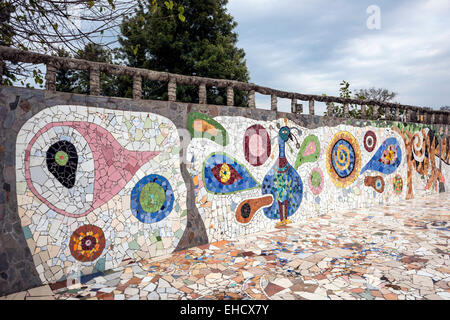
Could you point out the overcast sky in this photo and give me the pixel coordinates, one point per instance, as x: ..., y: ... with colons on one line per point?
x: 310, y: 46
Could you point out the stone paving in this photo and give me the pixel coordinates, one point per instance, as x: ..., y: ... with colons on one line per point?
x: 398, y: 252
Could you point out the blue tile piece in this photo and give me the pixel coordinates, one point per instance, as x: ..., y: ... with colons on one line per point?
x: 27, y: 232
x: 87, y: 278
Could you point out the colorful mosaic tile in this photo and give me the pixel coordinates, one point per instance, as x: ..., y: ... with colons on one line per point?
x: 230, y: 215
x: 87, y: 243
x: 370, y: 141
x: 316, y: 181
x: 343, y: 159
x: 223, y: 175
x: 201, y: 125
x: 152, y: 199
x: 115, y: 150
x: 248, y: 208
x: 387, y: 158
x: 283, y: 182
x: 309, y: 151
x: 376, y: 183
x: 62, y: 161
x: 257, y: 146
x: 398, y: 184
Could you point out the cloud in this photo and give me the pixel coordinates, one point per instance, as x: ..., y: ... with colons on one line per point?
x: 311, y: 46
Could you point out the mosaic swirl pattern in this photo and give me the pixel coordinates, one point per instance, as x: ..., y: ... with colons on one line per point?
x: 343, y: 159
x: 418, y: 146
x: 152, y: 199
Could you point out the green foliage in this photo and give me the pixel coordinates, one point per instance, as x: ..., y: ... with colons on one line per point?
x: 203, y: 44
x: 381, y: 95
x: 78, y: 81
x: 45, y: 25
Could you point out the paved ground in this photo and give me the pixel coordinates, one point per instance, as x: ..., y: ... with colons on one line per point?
x: 396, y: 252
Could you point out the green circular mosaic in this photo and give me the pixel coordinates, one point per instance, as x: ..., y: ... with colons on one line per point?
x: 61, y: 158
x: 316, y: 179
x: 152, y: 197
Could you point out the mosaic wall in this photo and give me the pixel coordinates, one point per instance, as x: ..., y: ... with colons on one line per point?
x: 252, y: 176
x: 96, y: 187
x: 99, y: 187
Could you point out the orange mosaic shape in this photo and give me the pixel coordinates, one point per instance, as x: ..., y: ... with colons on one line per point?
x: 377, y: 183
x: 87, y: 243
x: 246, y: 209
x: 343, y: 159
x: 203, y: 126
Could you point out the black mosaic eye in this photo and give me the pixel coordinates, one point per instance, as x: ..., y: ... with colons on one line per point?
x: 245, y: 211
x: 62, y: 161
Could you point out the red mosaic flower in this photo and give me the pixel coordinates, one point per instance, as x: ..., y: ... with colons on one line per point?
x: 87, y: 243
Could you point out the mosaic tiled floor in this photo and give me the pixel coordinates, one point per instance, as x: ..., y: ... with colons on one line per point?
x: 398, y: 252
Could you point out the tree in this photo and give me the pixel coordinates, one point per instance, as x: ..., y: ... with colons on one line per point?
x: 377, y: 94
x: 46, y: 26
x: 203, y: 45
x: 77, y: 81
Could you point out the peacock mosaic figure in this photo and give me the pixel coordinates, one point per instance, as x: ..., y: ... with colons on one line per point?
x: 281, y: 188
x: 283, y: 182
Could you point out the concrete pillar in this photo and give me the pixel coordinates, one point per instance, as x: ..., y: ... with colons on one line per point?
x: 346, y: 110
x: 172, y: 90
x: 329, y: 109
x: 294, y: 105
x: 273, y: 102
x: 251, y: 99
x: 50, y: 78
x: 94, y: 81
x: 387, y: 113
x: 375, y: 112
x: 137, y: 87
x: 363, y: 111
x: 311, y: 107
x: 202, y: 93
x: 397, y: 114
x: 230, y: 96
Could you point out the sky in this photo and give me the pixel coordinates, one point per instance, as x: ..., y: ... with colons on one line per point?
x: 310, y: 46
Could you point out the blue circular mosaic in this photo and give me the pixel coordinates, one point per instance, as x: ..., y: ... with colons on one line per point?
x: 144, y: 194
x: 343, y: 158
